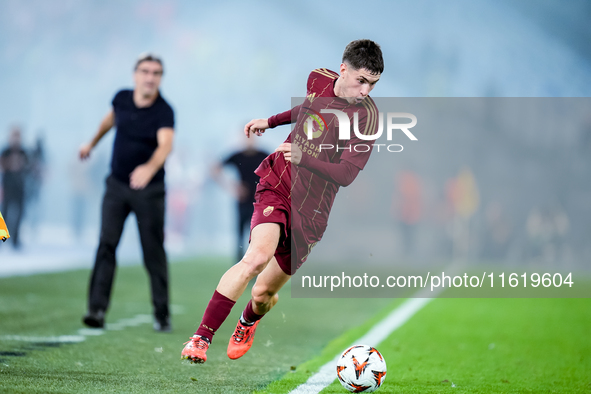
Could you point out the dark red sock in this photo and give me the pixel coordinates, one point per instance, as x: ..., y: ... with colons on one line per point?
x: 217, y: 311
x: 249, y: 314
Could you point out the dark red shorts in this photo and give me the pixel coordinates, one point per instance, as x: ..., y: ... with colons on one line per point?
x: 298, y: 233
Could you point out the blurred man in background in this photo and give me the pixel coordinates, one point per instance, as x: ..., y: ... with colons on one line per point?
x: 407, y: 206
x: 143, y: 141
x: 246, y: 162
x: 13, y: 164
x: 35, y: 179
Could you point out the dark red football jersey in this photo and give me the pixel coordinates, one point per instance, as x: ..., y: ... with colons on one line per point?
x: 310, y: 194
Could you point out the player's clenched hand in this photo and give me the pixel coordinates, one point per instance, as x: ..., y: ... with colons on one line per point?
x: 141, y: 176
x: 84, y: 152
x: 291, y: 152
x: 256, y: 126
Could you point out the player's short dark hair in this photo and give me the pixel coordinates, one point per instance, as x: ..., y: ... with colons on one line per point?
x: 364, y: 54
x: 148, y: 57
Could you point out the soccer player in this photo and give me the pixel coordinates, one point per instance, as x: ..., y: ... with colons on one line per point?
x: 143, y: 141
x: 297, y: 187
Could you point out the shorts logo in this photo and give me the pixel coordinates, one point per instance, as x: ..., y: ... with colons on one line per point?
x: 268, y: 210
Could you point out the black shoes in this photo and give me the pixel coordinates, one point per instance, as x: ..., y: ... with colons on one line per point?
x: 162, y: 325
x: 94, y: 319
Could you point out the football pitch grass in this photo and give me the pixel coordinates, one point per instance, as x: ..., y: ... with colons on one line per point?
x: 451, y: 345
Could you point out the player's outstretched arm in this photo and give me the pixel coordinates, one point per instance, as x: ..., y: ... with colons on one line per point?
x: 256, y: 126
x: 106, y: 124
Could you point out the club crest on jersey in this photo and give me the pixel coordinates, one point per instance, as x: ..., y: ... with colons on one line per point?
x: 267, y: 211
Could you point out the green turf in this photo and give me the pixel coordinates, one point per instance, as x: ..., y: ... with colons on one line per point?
x: 493, y: 346
x: 485, y: 346
x: 336, y: 346
x: 476, y: 345
x: 137, y: 359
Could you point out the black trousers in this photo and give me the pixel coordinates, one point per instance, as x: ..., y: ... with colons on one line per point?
x: 13, y: 205
x: 245, y: 211
x: 148, y: 206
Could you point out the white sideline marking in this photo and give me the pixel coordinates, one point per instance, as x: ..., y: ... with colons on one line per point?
x: 132, y: 322
x: 93, y: 332
x: 59, y: 339
x: 326, y: 375
x: 90, y: 332
x: 83, y: 332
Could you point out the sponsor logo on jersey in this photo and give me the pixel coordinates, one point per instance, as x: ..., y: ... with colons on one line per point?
x: 315, y: 124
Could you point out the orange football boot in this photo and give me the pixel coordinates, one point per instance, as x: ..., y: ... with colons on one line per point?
x: 195, y: 349
x: 241, y: 340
